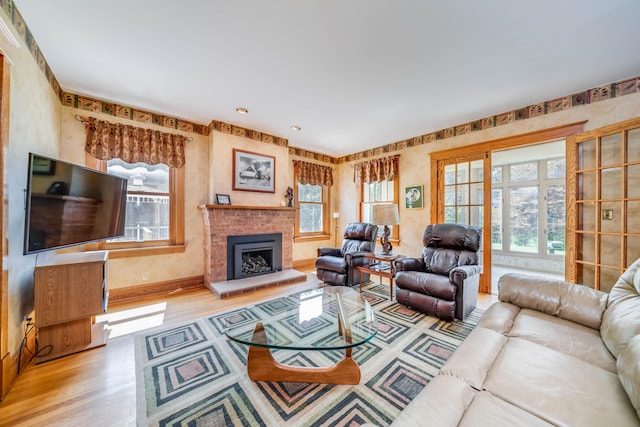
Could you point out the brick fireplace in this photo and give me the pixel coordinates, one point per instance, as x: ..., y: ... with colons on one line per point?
x: 222, y: 221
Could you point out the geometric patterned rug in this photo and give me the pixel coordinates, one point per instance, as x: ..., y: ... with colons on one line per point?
x: 192, y: 375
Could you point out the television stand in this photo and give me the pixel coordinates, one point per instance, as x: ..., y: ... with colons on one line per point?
x: 70, y: 289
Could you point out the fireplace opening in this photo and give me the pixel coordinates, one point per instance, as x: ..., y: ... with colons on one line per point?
x: 253, y: 255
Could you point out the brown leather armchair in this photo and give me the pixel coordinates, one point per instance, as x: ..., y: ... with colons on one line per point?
x: 444, y: 282
x: 337, y: 266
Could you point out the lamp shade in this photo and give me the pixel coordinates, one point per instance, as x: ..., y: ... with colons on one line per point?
x: 385, y: 214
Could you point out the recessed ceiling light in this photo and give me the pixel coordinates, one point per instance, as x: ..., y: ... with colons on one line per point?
x: 296, y: 128
x: 241, y: 110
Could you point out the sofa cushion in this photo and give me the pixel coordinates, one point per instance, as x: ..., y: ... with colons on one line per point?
x: 565, y: 336
x: 629, y: 371
x: 473, y: 358
x: 428, y: 407
x: 499, y: 317
x: 577, y: 303
x: 427, y: 283
x: 488, y: 410
x: 621, y: 320
x: 557, y: 387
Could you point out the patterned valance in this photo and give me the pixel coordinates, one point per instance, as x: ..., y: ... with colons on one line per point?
x: 376, y: 170
x: 107, y: 141
x: 313, y: 174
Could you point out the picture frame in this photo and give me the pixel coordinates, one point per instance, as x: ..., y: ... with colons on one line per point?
x: 254, y: 172
x: 42, y: 166
x: 223, y: 199
x: 414, y: 197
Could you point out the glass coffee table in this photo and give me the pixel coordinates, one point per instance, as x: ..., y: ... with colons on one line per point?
x: 336, y: 318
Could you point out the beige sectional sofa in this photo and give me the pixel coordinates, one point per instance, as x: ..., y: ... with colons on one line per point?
x: 548, y: 353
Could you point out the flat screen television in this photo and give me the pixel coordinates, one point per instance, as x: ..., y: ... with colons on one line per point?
x: 70, y: 205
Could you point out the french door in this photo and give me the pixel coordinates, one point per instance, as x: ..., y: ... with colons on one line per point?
x: 460, y: 188
x: 460, y: 179
x: 603, y: 202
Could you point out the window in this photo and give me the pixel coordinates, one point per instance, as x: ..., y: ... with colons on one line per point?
x: 376, y: 193
x: 532, y: 217
x: 312, y: 219
x: 155, y: 204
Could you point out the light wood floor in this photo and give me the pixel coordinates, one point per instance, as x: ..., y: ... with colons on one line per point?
x: 97, y: 387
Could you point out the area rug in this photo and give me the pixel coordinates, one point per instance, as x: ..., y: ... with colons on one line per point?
x: 193, y: 375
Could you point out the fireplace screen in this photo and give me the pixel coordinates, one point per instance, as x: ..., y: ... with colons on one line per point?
x: 252, y: 255
x: 254, y: 260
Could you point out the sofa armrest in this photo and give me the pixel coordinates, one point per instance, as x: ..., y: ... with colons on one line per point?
x: 354, y: 259
x: 329, y: 251
x: 576, y: 303
x: 459, y: 274
x: 409, y: 264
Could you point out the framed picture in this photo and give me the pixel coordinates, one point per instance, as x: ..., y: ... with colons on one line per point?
x: 413, y: 197
x: 223, y: 199
x: 43, y: 166
x: 254, y: 172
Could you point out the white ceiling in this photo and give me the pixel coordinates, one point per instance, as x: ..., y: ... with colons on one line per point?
x: 353, y: 74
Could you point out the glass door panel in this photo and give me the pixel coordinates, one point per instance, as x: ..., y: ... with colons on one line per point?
x: 496, y: 219
x: 556, y: 208
x: 633, y: 247
x: 611, y: 150
x: 586, y: 275
x: 587, y: 155
x: 611, y: 218
x: 610, y: 250
x: 611, y: 183
x: 608, y: 278
x: 586, y: 216
x: 633, y: 221
x: 524, y: 219
x: 633, y: 178
x: 631, y: 148
x: 587, y: 247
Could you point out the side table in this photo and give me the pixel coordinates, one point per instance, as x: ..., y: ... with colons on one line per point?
x: 381, y: 265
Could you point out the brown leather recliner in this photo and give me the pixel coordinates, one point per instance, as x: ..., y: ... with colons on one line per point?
x: 444, y: 282
x: 337, y: 266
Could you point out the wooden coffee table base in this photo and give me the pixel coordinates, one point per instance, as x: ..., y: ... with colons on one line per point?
x: 261, y: 366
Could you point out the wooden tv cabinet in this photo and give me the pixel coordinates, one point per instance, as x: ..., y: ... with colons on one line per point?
x: 70, y: 290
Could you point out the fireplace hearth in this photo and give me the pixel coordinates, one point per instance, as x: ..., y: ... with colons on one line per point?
x: 222, y: 221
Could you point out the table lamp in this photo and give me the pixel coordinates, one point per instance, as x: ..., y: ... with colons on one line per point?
x: 385, y: 214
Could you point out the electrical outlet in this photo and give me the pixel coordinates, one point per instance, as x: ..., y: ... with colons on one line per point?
x: 145, y: 276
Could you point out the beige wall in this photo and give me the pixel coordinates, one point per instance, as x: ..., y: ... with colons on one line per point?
x: 415, y: 163
x: 34, y: 126
x: 221, y: 169
x: 126, y: 272
x: 304, y: 250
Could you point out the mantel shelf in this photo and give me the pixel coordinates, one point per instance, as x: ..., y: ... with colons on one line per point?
x: 268, y: 208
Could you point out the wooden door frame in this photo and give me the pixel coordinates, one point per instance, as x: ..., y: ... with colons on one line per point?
x: 485, y: 149
x: 6, y: 375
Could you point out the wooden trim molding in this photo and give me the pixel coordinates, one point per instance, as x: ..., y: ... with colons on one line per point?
x: 6, y: 374
x: 158, y: 288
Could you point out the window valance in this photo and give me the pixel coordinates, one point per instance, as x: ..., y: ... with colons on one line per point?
x: 313, y: 174
x: 376, y: 170
x: 132, y: 144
